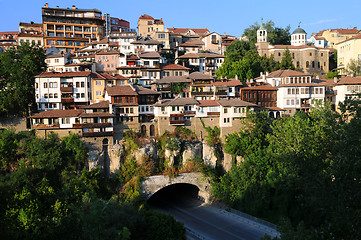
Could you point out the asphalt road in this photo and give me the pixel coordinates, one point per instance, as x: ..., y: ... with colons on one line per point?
x: 208, y: 222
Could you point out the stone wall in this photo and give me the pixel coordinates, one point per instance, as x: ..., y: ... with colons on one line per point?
x: 17, y: 123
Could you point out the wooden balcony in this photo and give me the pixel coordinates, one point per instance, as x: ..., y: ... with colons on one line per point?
x: 213, y: 113
x: 66, y: 89
x: 91, y: 125
x: 187, y: 113
x: 67, y: 100
x: 221, y: 93
x: 202, y: 93
x: 176, y: 122
x: 306, y: 105
x: 97, y: 134
x: 44, y: 126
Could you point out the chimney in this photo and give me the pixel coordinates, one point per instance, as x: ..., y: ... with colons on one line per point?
x: 57, y: 6
x: 335, y: 79
x: 46, y: 5
x: 267, y: 74
x: 73, y: 7
x: 236, y: 77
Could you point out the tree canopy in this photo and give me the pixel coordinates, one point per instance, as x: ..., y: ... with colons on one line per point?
x: 18, y: 68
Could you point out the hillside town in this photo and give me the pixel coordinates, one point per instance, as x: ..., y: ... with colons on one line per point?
x: 103, y: 77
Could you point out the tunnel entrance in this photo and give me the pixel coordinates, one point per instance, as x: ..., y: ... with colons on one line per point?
x: 180, y: 194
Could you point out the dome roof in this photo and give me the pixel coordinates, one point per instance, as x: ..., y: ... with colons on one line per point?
x: 299, y: 30
x: 262, y: 27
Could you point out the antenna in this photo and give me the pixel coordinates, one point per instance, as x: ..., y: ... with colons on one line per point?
x: 299, y: 24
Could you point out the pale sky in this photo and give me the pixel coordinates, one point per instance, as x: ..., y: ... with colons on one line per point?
x: 230, y: 16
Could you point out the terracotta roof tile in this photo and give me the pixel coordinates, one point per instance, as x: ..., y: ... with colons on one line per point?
x: 208, y: 103
x: 174, y: 67
x: 126, y: 90
x: 349, y: 81
x: 235, y: 103
x: 174, y: 79
x: 104, y: 104
x: 64, y: 74
x: 58, y: 113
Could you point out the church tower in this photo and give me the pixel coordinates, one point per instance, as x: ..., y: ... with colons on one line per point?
x: 262, y: 42
x: 299, y: 37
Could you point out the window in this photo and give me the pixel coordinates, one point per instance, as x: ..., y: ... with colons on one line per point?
x: 226, y: 120
x: 77, y: 95
x: 77, y: 84
x: 65, y: 120
x: 45, y: 85
x: 45, y: 95
x: 82, y: 84
x: 82, y: 95
x: 51, y: 95
x: 307, y: 64
x: 131, y: 110
x: 55, y: 95
x: 225, y: 110
x: 98, y: 93
x: 161, y: 35
x: 53, y: 85
x: 98, y: 83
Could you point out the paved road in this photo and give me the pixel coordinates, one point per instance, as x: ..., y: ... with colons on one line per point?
x: 210, y: 223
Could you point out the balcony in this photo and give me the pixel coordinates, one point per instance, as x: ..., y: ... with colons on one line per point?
x: 202, y: 93
x: 176, y: 122
x: 215, y: 42
x: 221, y: 93
x: 67, y: 100
x: 187, y: 113
x: 91, y: 125
x: 66, y: 89
x: 210, y: 65
x: 97, y: 134
x: 305, y: 105
x: 42, y: 126
x: 331, y: 92
x: 213, y: 113
x: 163, y: 89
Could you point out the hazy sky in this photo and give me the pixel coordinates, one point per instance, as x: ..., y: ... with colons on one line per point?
x: 230, y: 16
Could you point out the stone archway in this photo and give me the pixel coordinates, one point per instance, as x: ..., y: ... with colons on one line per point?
x: 278, y: 115
x: 143, y: 131
x: 271, y: 115
x: 151, y: 131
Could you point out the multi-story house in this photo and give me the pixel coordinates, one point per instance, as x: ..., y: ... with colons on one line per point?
x: 213, y: 43
x: 91, y: 121
x: 204, y: 62
x: 124, y: 38
x: 201, y: 87
x: 319, y: 41
x: 346, y: 88
x: 174, y: 70
x: 192, y: 46
x: 8, y: 39
x: 65, y: 90
x: 100, y: 81
x: 334, y: 36
x: 226, y: 88
x: 260, y: 93
x: 299, y: 93
x: 109, y: 61
x: 31, y: 33
x: 169, y: 87
x: 348, y: 50
x: 56, y: 62
x: 309, y: 59
x: 71, y: 29
x: 146, y: 99
x: 148, y: 25
x: 146, y: 46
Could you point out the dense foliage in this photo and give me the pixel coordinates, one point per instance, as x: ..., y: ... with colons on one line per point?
x: 46, y: 193
x: 300, y: 172
x: 18, y: 68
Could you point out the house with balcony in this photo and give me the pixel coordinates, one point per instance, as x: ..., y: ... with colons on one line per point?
x: 99, y: 82
x: 173, y: 70
x: 124, y: 37
x: 146, y: 99
x: 67, y: 90
x: 212, y: 43
x: 171, y: 86
x: 191, y: 46
x: 204, y: 62
x: 150, y: 70
x: 259, y: 93
x: 109, y: 60
x: 346, y: 88
x: 201, y: 87
x: 146, y: 46
x: 227, y: 88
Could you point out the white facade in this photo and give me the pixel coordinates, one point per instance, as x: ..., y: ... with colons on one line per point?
x: 299, y: 96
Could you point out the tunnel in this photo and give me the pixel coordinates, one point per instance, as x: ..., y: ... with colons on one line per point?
x: 179, y: 194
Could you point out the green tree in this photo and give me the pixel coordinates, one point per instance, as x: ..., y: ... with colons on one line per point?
x: 354, y: 67
x: 286, y: 62
x: 18, y: 68
x: 275, y: 35
x: 331, y: 74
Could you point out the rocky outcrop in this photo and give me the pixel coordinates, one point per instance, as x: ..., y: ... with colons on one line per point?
x: 95, y: 159
x: 192, y: 151
x: 209, y: 157
x: 116, y: 156
x: 171, y: 156
x: 146, y: 153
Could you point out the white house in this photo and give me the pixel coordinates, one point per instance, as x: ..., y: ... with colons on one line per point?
x: 347, y: 87
x: 66, y: 90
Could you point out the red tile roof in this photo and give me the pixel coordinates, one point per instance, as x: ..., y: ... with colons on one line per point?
x: 104, y: 104
x: 208, y: 103
x: 184, y: 30
x: 349, y: 81
x: 145, y: 16
x: 358, y: 36
x: 286, y: 73
x: 58, y: 113
x: 228, y: 83
x: 111, y: 52
x: 126, y: 90
x: 64, y: 74
x: 174, y: 67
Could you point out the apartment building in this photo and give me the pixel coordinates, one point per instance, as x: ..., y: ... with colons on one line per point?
x: 334, y: 36
x: 70, y: 29
x: 31, y: 33
x: 147, y: 25
x: 347, y: 51
x: 67, y: 90
x: 114, y: 24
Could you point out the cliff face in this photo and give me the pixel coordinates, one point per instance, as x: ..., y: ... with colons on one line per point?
x: 110, y: 159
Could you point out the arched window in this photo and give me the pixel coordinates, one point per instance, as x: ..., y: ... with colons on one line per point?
x: 307, y: 64
x: 313, y: 64
x: 298, y: 64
